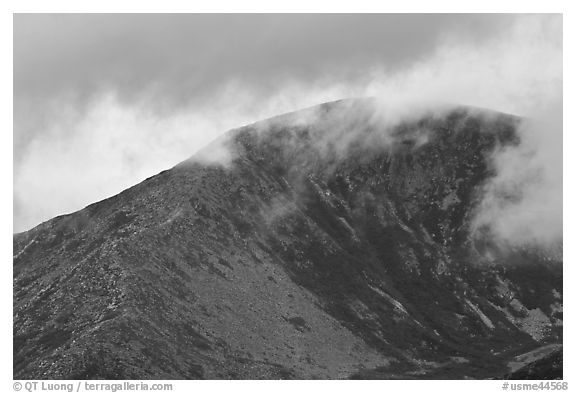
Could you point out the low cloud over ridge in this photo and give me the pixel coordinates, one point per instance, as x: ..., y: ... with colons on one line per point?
x: 90, y: 151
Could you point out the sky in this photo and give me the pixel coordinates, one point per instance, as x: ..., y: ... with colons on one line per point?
x: 103, y: 101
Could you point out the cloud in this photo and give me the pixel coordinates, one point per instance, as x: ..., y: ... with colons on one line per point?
x: 522, y: 204
x: 87, y: 147
x: 183, y: 60
x: 187, y: 55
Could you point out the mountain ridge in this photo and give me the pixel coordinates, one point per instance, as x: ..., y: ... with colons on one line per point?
x: 328, y: 245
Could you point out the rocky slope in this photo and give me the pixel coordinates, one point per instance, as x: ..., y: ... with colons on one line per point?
x: 330, y: 244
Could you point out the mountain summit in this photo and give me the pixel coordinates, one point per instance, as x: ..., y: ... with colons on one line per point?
x: 333, y: 242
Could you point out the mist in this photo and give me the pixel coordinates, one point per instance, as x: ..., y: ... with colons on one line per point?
x: 117, y: 142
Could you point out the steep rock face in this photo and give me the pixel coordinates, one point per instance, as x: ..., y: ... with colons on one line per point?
x: 332, y: 245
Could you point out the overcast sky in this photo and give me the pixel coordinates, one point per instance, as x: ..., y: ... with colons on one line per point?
x: 103, y: 101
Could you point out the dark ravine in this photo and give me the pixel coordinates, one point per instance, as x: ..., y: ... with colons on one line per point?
x: 303, y: 258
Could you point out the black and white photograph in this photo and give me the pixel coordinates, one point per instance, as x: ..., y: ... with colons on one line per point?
x: 287, y: 196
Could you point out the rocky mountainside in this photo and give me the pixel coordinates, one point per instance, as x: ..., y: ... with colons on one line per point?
x: 332, y: 243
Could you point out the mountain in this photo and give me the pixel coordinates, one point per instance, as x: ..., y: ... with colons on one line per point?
x: 333, y: 242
